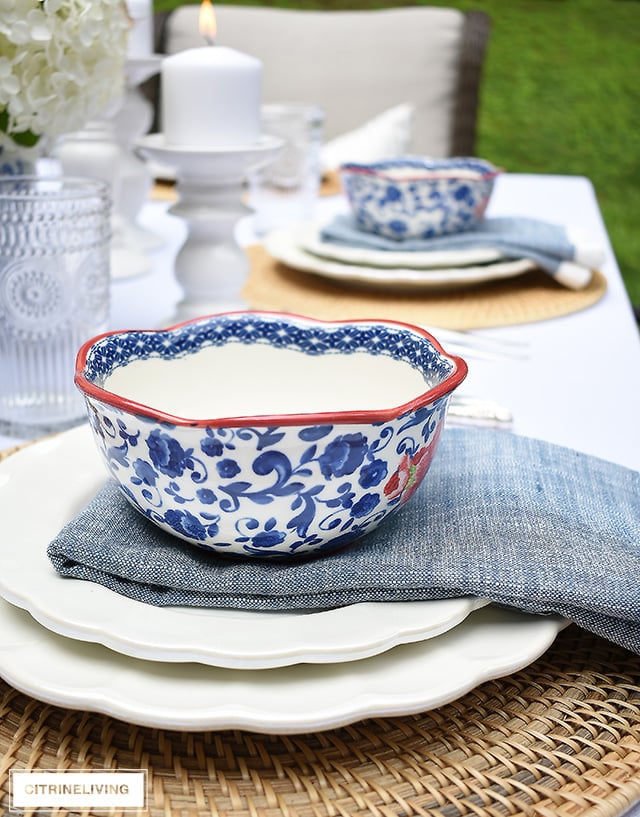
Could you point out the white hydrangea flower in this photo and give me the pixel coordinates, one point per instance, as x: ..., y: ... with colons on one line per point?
x: 61, y: 63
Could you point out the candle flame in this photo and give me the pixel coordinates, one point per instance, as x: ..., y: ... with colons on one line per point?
x: 207, y: 21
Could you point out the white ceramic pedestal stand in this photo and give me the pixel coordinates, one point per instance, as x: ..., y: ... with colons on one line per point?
x: 135, y: 180
x: 211, y: 267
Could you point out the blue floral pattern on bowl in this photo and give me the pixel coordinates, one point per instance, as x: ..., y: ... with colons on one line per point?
x: 285, y: 486
x: 418, y: 198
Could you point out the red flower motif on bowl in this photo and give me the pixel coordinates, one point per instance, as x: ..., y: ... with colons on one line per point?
x: 412, y: 469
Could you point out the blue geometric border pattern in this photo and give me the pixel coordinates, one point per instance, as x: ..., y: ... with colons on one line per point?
x: 398, y: 342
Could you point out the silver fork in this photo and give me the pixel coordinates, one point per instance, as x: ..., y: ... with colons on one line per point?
x: 481, y: 346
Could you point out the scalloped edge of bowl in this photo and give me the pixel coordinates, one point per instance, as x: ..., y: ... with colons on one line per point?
x: 448, y: 385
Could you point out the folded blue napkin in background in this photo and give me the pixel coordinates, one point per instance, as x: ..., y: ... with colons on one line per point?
x: 562, y: 252
x: 516, y: 520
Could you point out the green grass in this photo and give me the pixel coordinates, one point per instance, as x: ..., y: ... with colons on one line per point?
x: 561, y: 94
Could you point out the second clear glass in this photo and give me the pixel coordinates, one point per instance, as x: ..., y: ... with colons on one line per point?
x: 286, y: 190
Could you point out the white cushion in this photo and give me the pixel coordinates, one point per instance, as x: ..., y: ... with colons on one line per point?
x: 382, y: 137
x: 354, y: 64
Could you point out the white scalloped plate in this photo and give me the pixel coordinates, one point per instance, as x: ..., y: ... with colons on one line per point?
x: 412, y: 678
x: 282, y: 245
x: 60, y: 475
x: 308, y: 237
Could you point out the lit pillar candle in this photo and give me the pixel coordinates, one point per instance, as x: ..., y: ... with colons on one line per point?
x: 211, y: 98
x: 140, y: 43
x: 211, y: 95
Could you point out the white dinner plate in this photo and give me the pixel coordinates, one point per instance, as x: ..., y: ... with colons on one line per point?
x: 411, y: 678
x: 308, y: 237
x: 46, y: 484
x: 283, y: 246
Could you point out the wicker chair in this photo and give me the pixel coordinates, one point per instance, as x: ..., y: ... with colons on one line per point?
x: 357, y: 64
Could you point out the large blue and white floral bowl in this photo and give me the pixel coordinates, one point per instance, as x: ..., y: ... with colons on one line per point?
x: 413, y: 197
x: 260, y: 434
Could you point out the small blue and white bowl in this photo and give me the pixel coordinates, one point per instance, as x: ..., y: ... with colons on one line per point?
x: 412, y: 197
x: 260, y: 434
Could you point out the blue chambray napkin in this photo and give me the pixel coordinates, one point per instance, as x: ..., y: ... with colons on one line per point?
x: 565, y: 253
x: 527, y: 524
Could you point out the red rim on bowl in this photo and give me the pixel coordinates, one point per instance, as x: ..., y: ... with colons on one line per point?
x: 360, y: 416
x: 425, y: 174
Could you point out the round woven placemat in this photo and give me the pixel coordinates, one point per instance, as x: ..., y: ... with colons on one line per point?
x: 533, y: 296
x: 561, y: 737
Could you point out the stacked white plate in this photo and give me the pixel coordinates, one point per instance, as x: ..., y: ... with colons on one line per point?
x: 80, y: 645
x: 301, y: 246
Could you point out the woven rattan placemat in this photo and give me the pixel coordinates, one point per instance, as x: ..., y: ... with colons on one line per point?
x: 561, y: 737
x: 533, y: 296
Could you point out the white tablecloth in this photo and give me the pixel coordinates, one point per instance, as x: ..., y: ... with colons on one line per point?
x: 578, y: 384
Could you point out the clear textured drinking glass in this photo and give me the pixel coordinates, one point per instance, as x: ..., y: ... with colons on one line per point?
x: 54, y: 294
x: 285, y: 191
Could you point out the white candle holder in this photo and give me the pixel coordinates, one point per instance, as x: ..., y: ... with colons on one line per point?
x: 211, y: 267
